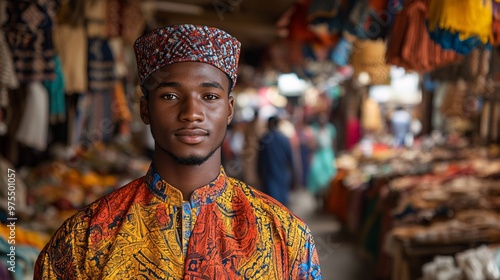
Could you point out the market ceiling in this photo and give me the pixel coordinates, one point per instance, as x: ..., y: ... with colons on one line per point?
x: 251, y: 21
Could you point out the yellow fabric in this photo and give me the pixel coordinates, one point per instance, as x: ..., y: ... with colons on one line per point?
x: 469, y: 18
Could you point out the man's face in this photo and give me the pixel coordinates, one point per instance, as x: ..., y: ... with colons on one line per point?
x: 188, y: 108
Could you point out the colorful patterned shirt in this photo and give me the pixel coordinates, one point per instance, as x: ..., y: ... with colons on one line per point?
x: 145, y: 230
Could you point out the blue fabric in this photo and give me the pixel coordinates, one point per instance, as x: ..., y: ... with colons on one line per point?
x: 55, y: 88
x: 275, y: 165
x: 452, y: 41
x: 342, y: 52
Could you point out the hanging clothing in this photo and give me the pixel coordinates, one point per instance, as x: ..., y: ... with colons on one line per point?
x: 227, y: 230
x: 371, y: 116
x: 29, y: 34
x: 101, y: 88
x: 55, y: 88
x: 120, y: 108
x: 70, y: 43
x: 34, y: 125
x: 124, y: 19
x: 461, y: 25
x: 496, y: 23
x: 8, y: 79
x: 410, y: 45
x: 323, y: 167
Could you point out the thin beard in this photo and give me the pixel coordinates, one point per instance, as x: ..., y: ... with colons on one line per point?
x: 196, y: 160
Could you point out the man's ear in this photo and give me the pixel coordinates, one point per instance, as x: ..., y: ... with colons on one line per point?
x: 230, y: 108
x: 145, y: 110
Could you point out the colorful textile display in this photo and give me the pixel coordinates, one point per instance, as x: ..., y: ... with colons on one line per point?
x: 28, y: 30
x: 461, y: 25
x: 410, y: 45
x: 147, y: 229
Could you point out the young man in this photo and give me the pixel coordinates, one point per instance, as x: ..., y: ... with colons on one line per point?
x: 185, y: 219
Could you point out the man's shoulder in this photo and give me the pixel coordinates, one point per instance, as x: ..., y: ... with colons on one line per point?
x: 115, y: 201
x: 268, y: 206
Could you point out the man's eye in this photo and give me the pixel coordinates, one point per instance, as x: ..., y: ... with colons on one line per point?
x: 211, y: 96
x: 169, y: 96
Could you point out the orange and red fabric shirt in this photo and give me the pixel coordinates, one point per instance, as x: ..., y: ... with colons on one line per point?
x: 145, y: 230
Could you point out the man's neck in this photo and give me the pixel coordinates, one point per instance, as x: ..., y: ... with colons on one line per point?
x: 187, y: 178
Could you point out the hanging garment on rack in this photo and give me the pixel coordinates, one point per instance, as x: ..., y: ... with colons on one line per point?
x: 120, y: 108
x: 460, y: 25
x: 410, y: 45
x: 28, y: 30
x: 70, y: 43
x: 72, y: 13
x: 55, y: 88
x: 34, y: 126
x: 496, y: 23
x: 8, y: 79
x: 101, y: 87
x: 320, y: 9
x: 124, y: 19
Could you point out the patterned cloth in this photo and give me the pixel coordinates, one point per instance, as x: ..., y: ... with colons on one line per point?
x: 28, y: 30
x: 180, y: 43
x: 145, y: 230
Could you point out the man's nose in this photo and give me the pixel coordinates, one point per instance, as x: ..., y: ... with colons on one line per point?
x: 192, y: 110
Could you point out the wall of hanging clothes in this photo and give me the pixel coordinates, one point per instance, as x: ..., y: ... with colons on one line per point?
x: 68, y: 63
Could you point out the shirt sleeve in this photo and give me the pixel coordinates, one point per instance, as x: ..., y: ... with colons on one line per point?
x: 308, y: 266
x: 58, y: 260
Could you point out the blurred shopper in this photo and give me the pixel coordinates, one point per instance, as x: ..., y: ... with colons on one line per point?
x: 323, y: 167
x: 275, y: 162
x: 306, y: 140
x: 400, y: 126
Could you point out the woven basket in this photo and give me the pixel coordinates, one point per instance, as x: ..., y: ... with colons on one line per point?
x: 369, y: 56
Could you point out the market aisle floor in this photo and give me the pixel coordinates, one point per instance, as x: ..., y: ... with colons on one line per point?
x: 340, y: 256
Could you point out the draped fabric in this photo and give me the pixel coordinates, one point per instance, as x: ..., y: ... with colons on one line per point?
x: 123, y: 19
x: 55, y: 89
x: 28, y: 30
x: 33, y: 128
x: 460, y: 25
x: 496, y: 23
x: 145, y: 230
x: 71, y: 45
x: 410, y: 45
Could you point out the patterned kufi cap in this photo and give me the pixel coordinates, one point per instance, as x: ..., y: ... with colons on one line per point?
x: 187, y: 42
